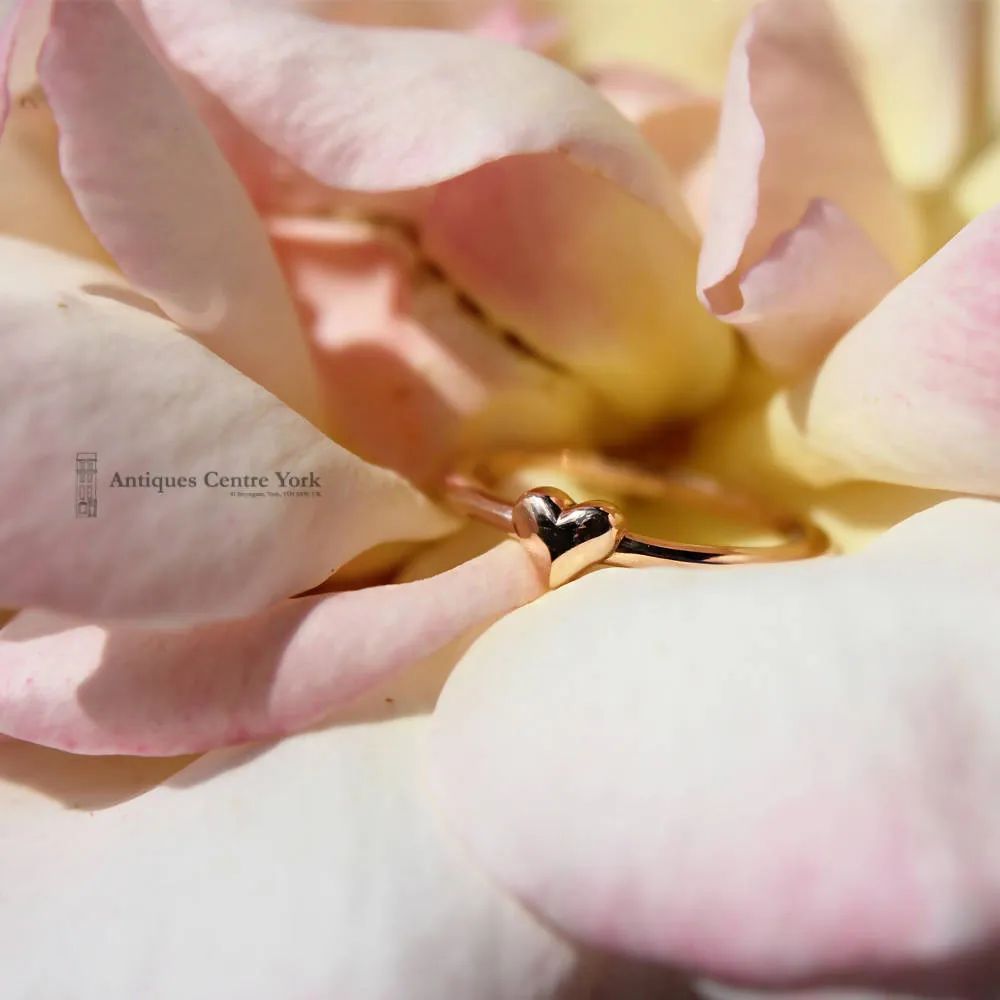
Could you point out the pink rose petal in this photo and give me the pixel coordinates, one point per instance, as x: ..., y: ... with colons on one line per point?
x: 457, y: 112
x: 160, y: 197
x: 385, y: 109
x: 32, y: 26
x: 506, y: 22
x: 912, y: 394
x: 10, y: 12
x: 794, y: 129
x: 590, y: 278
x: 412, y: 374
x: 89, y: 366
x: 447, y: 15
x: 776, y: 774
x: 825, y: 257
x: 93, y: 689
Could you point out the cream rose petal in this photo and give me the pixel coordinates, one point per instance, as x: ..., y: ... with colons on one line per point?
x: 977, y: 190
x: 86, y: 368
x: 159, y: 195
x: 35, y: 203
x: 794, y: 131
x: 773, y: 774
x: 745, y: 444
x: 681, y: 124
x: 93, y: 689
x: 689, y: 39
x: 911, y: 395
x: 441, y: 109
x: 311, y: 868
x: 919, y: 91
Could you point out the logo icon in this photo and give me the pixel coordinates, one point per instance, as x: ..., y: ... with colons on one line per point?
x: 86, y: 484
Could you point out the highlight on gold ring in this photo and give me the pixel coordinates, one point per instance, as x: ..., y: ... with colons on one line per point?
x: 566, y: 537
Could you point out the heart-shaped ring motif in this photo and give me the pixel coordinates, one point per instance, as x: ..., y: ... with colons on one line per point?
x: 566, y: 536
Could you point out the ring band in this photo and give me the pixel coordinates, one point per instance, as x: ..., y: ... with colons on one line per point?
x: 571, y: 537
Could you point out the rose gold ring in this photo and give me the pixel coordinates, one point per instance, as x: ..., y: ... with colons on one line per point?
x: 567, y: 537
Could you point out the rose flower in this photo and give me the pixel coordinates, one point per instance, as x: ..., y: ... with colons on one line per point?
x: 274, y: 721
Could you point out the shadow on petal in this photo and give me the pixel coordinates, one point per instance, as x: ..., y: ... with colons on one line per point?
x: 98, y: 689
x: 83, y: 782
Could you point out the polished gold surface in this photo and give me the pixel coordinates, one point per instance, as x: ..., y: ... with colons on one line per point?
x: 571, y: 536
x: 567, y: 537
